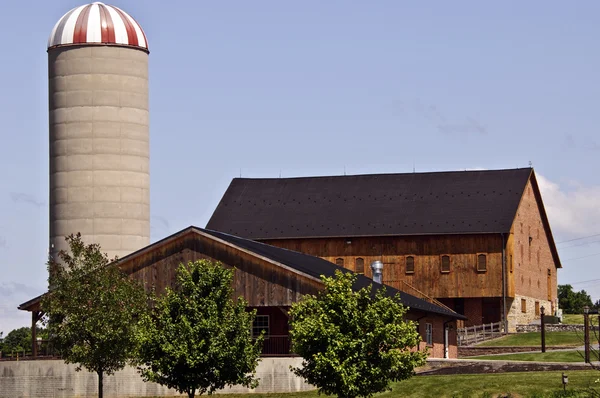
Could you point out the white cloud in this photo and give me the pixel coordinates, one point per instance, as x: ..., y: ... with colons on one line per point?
x: 573, y: 209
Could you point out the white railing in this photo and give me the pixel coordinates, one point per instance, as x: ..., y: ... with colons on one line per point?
x: 476, y: 334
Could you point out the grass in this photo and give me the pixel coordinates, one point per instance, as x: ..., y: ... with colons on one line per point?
x: 572, y: 319
x: 534, y: 338
x: 552, y: 356
x: 525, y: 385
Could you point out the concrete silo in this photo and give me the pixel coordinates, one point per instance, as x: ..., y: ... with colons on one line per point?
x: 99, y: 138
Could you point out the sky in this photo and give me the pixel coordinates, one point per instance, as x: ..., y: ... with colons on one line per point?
x: 270, y: 88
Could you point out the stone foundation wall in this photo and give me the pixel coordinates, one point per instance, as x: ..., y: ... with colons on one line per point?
x: 464, y: 352
x: 53, y: 378
x: 517, y: 317
x: 552, y: 328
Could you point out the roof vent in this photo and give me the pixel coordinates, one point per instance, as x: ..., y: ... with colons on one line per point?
x: 377, y: 268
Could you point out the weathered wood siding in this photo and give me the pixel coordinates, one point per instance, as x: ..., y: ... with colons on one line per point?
x: 260, y: 282
x: 463, y: 280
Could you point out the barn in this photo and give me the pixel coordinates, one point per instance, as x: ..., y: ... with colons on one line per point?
x: 478, y: 242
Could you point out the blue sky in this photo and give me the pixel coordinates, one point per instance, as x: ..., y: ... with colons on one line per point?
x: 315, y: 88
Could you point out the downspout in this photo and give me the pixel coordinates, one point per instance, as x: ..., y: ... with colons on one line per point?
x: 504, y: 282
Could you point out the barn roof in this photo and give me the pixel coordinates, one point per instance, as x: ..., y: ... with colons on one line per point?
x: 455, y: 202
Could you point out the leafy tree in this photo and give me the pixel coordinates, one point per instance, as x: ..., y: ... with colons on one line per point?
x: 19, y: 339
x: 354, y: 343
x: 91, y: 309
x: 573, y: 302
x: 199, y: 339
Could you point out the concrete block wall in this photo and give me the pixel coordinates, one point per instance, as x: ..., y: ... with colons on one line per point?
x: 54, y: 378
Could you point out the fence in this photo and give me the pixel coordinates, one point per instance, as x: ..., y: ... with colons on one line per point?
x: 44, y: 351
x: 276, y: 346
x: 273, y: 346
x: 476, y: 334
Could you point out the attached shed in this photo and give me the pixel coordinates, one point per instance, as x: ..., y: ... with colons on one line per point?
x: 271, y: 279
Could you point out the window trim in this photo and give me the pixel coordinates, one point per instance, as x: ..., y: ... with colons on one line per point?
x: 429, y: 334
x: 442, y: 263
x: 477, y: 262
x: 406, y: 271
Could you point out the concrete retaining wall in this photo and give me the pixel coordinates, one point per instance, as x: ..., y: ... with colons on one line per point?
x: 53, y: 378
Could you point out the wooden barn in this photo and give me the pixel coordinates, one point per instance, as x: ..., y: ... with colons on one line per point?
x: 477, y: 241
x: 271, y: 279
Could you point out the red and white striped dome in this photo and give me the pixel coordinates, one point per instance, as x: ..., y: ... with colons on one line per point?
x: 97, y: 23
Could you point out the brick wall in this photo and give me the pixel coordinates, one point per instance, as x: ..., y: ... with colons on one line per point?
x: 531, y: 255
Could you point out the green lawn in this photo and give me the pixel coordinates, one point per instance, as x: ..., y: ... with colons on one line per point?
x: 548, y: 356
x: 534, y: 338
x: 524, y: 384
x: 573, y: 319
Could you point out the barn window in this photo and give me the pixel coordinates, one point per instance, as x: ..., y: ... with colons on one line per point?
x: 523, y: 305
x: 537, y: 308
x: 481, y: 262
x: 339, y: 261
x: 410, y: 265
x: 359, y: 266
x: 261, y: 322
x: 445, y: 263
x: 429, y: 333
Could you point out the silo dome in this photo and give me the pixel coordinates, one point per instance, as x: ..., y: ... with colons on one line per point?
x: 99, y: 24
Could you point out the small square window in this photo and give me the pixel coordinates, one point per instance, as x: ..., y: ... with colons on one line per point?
x: 410, y: 265
x: 481, y: 263
x: 359, y: 265
x: 261, y: 322
x: 339, y: 261
x: 445, y: 264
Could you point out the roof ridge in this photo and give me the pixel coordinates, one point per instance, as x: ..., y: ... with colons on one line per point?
x: 383, y: 174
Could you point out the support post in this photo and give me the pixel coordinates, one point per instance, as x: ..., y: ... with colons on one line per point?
x: 586, y: 333
x: 34, y: 319
x: 543, y: 330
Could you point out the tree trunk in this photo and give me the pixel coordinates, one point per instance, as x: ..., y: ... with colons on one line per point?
x: 100, y: 373
x: 191, y: 392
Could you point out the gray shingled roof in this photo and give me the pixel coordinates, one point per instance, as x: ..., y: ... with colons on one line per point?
x: 458, y: 202
x: 315, y: 267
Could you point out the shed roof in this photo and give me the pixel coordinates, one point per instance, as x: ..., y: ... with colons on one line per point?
x: 454, y: 202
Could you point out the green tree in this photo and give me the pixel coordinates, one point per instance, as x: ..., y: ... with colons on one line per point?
x: 199, y: 339
x: 91, y: 309
x: 18, y: 340
x: 573, y: 302
x: 354, y: 343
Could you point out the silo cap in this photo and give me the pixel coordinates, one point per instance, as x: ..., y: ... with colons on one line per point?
x: 97, y: 24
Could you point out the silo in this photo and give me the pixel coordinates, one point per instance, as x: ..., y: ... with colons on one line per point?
x: 99, y: 133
